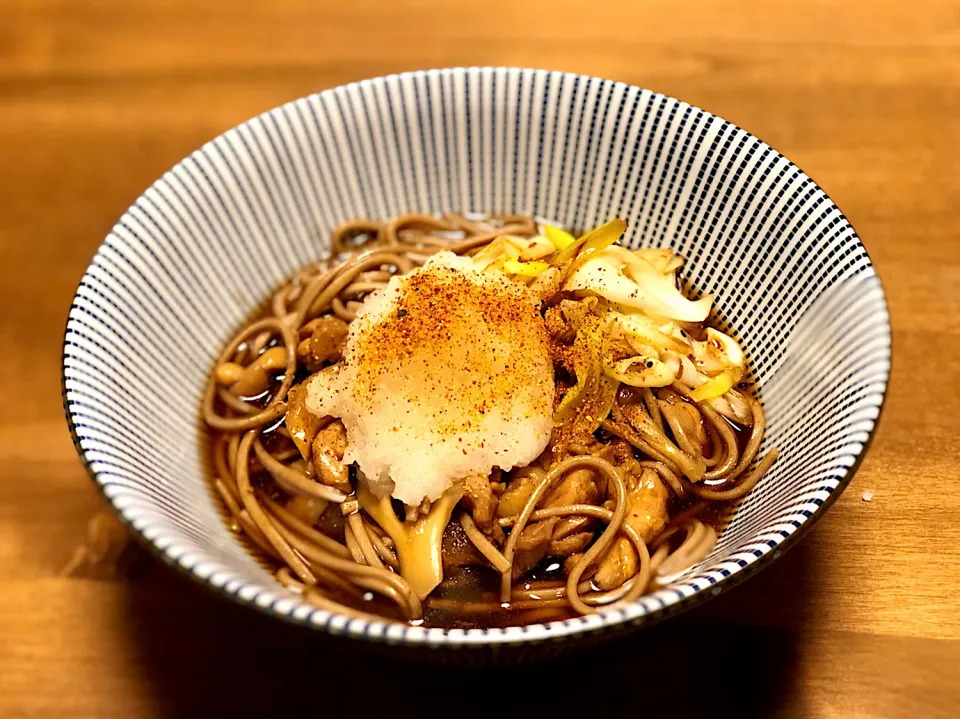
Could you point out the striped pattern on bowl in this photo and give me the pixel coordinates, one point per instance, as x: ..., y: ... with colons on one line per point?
x: 203, y: 246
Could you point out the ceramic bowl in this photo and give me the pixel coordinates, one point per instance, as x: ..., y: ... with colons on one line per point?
x: 203, y: 246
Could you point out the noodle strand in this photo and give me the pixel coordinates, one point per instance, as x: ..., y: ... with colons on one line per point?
x: 257, y: 467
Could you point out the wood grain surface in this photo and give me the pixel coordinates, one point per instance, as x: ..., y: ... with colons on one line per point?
x: 98, y: 98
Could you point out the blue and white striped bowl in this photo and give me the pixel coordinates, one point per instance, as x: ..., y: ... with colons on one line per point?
x: 204, y: 245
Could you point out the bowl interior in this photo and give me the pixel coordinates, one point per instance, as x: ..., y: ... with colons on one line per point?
x: 204, y: 245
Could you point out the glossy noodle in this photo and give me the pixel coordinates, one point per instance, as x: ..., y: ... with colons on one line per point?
x: 481, y: 421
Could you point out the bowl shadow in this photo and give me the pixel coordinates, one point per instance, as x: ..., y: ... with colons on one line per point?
x: 200, y: 655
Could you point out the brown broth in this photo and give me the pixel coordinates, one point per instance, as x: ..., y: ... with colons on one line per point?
x: 470, y: 585
x: 475, y: 584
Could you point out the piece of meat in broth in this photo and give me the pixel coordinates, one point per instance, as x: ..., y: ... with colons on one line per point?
x: 647, y: 515
x: 558, y: 536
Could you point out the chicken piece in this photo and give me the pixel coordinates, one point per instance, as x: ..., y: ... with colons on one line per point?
x: 532, y: 546
x: 324, y: 343
x: 514, y: 497
x: 558, y: 536
x: 569, y: 545
x: 478, y: 497
x: 572, y: 525
x: 647, y: 505
x: 578, y: 487
x: 328, y: 448
x: 647, y: 514
x: 523, y: 562
x: 617, y: 565
x: 537, y: 534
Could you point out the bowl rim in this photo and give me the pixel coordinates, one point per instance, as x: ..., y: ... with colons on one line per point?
x: 557, y: 631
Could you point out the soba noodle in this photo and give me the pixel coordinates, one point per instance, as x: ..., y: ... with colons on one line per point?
x: 302, y: 509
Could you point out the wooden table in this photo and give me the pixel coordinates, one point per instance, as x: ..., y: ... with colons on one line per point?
x: 97, y: 98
